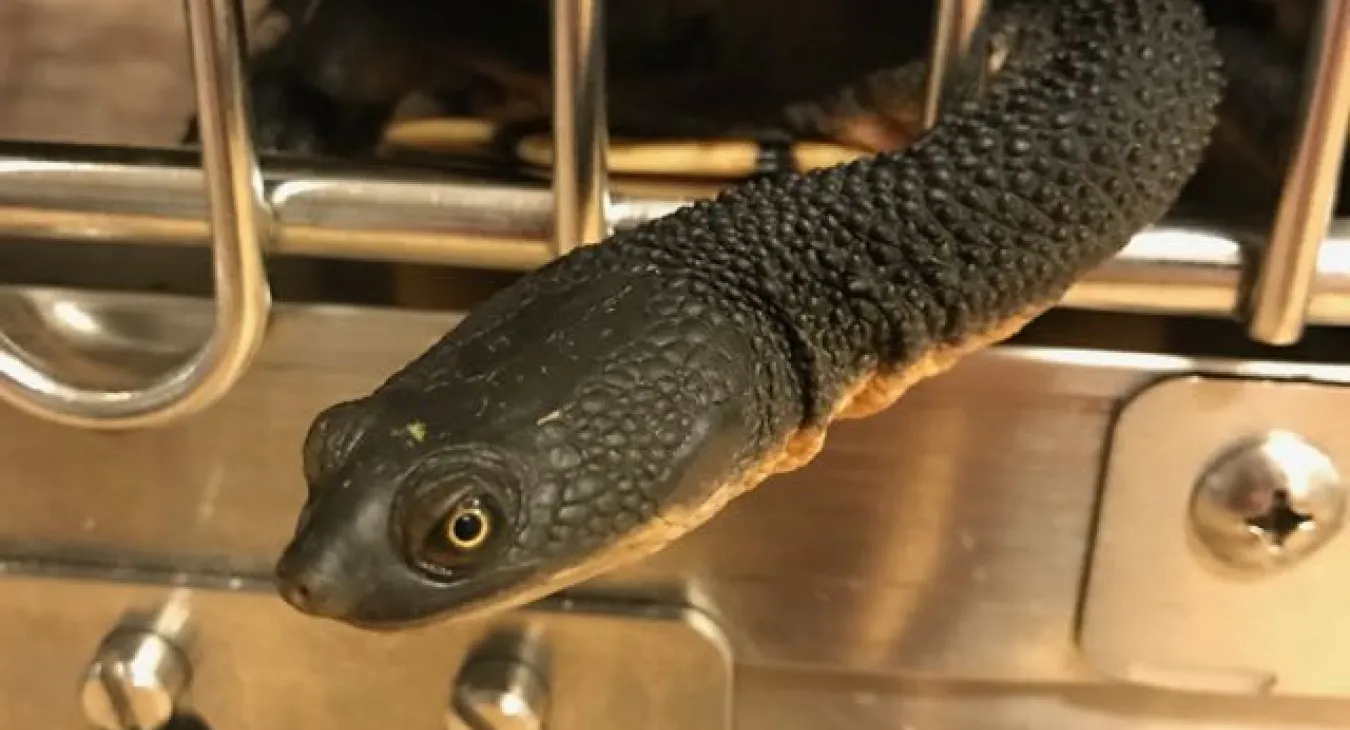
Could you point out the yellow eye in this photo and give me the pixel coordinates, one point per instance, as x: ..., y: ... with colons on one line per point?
x: 468, y: 527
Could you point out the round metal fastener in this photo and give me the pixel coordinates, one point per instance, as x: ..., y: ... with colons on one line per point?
x: 135, y: 681
x: 498, y: 694
x: 1267, y: 503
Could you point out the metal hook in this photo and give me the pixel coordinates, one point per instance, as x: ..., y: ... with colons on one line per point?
x: 239, y: 224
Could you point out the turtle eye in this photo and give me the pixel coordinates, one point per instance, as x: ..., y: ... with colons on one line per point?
x: 467, y: 527
x: 455, y: 510
x: 446, y: 538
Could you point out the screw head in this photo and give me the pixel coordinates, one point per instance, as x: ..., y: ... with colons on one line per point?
x: 498, y: 694
x: 134, y: 682
x: 1267, y: 503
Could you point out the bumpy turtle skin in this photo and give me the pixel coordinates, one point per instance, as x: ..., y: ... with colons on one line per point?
x: 992, y: 216
x: 883, y: 111
x: 618, y: 397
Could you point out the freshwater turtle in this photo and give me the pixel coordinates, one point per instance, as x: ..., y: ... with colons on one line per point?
x: 617, y: 398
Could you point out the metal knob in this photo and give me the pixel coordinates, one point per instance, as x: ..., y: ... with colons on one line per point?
x: 1268, y: 503
x: 135, y: 681
x: 498, y: 694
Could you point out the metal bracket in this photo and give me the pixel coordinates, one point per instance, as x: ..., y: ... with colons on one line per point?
x: 1175, y: 599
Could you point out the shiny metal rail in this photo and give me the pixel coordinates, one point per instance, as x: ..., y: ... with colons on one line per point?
x: 57, y: 193
x: 238, y: 226
x: 580, y: 129
x: 1284, y: 280
x: 519, y: 226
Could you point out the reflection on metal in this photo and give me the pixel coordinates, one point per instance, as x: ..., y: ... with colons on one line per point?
x: 1287, y: 272
x: 956, y: 57
x: 502, y: 685
x: 233, y: 190
x: 959, y: 529
x: 63, y: 193
x: 1162, y: 609
x: 619, y: 664
x: 955, y: 546
x: 469, y: 221
x: 580, y: 130
x: 1171, y: 268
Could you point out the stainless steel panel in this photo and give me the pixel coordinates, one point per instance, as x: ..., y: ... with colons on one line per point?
x: 261, y: 665
x: 1159, y: 610
x: 779, y: 701
x: 943, y: 542
x: 946, y: 535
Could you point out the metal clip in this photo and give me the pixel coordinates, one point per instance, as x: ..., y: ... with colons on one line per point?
x: 239, y: 223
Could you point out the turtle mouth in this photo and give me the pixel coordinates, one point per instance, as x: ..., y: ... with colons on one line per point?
x: 401, y: 599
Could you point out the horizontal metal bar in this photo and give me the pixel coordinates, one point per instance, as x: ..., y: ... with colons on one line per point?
x: 154, y: 197
x: 506, y: 225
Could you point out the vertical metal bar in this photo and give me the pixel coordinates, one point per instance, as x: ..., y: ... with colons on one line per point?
x: 580, y: 128
x: 1278, y: 302
x: 956, y: 55
x: 240, y: 218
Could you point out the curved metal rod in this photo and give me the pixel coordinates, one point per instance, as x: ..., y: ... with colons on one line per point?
x: 239, y: 221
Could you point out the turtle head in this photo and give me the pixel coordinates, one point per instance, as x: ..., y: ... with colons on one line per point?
x: 569, y: 426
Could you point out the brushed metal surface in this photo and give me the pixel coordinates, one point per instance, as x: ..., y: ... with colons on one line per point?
x: 945, y: 536
x: 925, y: 571
x: 783, y: 701
x: 264, y: 666
x: 1158, y: 610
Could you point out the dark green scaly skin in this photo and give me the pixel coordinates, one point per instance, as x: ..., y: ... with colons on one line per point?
x: 614, y: 399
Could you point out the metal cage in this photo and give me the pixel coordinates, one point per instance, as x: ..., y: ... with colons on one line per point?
x: 1303, y: 277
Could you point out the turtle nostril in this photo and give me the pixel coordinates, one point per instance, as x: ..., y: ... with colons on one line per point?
x: 312, y: 587
x: 300, y: 595
x: 314, y: 593
x: 295, y: 590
